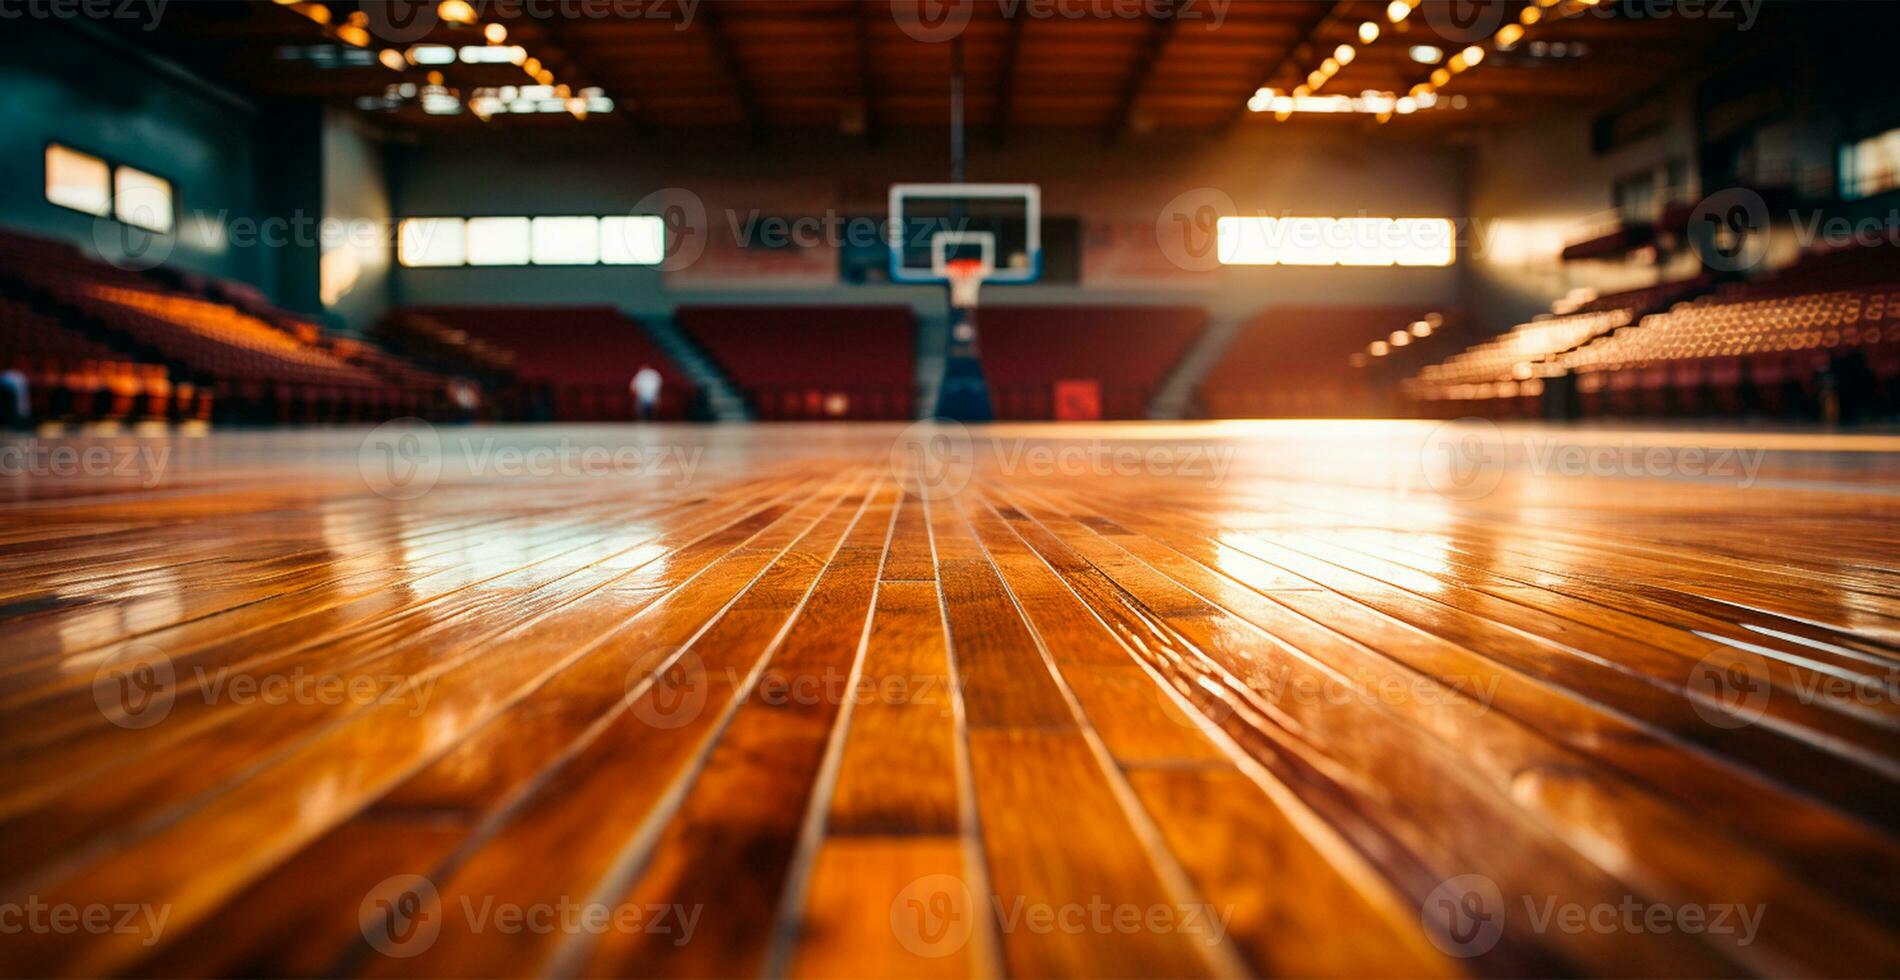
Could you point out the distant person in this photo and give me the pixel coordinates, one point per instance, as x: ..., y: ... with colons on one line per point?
x: 646, y: 392
x: 15, y: 398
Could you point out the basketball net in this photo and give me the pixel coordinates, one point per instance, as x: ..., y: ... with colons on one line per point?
x: 966, y: 281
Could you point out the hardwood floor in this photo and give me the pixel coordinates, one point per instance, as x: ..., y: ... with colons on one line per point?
x: 1325, y: 698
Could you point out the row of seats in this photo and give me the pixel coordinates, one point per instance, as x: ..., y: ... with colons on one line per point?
x: 1774, y: 354
x: 1119, y: 355
x: 1529, y: 351
x: 797, y: 363
x: 570, y: 364
x: 193, y: 352
x: 68, y: 376
x: 1314, y: 361
x: 1819, y: 339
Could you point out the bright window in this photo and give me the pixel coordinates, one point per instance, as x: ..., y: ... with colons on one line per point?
x: 1871, y: 166
x: 78, y: 180
x: 633, y: 240
x: 141, y: 200
x: 566, y: 241
x: 499, y: 241
x: 431, y: 242
x: 576, y: 241
x: 1336, y: 241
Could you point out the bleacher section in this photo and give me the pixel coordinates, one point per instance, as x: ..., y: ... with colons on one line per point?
x: 1296, y: 361
x: 1125, y: 351
x: 1744, y: 351
x: 1509, y: 372
x: 569, y: 364
x: 70, y: 377
x: 1819, y: 339
x: 813, y: 362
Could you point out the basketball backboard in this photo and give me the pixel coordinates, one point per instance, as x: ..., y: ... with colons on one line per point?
x: 933, y: 225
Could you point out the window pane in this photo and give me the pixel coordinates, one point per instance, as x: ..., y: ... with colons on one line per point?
x: 498, y: 241
x: 566, y: 241
x: 142, y: 200
x: 427, y: 242
x: 1871, y: 166
x: 636, y: 240
x: 79, y: 181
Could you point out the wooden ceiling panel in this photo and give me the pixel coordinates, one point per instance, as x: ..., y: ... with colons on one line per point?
x: 764, y: 64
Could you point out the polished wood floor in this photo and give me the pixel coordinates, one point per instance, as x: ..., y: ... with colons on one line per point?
x: 1124, y: 700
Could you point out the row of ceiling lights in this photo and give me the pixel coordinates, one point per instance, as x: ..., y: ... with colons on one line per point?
x: 1424, y: 95
x: 437, y: 98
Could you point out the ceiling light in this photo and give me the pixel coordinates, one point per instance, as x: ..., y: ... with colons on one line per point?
x: 1368, y: 32
x: 1531, y: 15
x: 495, y: 33
x: 456, y: 11
x: 392, y: 59
x: 1510, y: 34
x: 1397, y: 11
x: 1441, y: 78
x: 353, y: 35
x: 1473, y: 55
x: 1344, y: 54
x: 432, y: 54
x: 1426, y: 54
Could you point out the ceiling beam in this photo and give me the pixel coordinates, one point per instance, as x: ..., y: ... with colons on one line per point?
x: 1301, y: 51
x: 712, y: 22
x: 1006, y: 80
x: 1161, y: 30
x: 561, y: 42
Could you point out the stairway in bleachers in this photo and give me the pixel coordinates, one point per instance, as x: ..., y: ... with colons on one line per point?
x: 722, y: 397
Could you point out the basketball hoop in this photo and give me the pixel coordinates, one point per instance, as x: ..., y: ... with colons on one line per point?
x: 966, y: 280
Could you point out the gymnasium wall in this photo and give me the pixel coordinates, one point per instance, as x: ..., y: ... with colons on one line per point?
x: 69, y: 85
x: 1119, y: 193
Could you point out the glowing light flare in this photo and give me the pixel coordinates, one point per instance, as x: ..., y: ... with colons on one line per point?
x: 456, y: 11
x: 1368, y: 32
